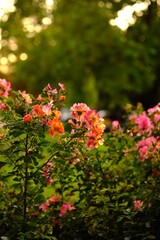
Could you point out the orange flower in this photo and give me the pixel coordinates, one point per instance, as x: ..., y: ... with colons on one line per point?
x: 55, y: 127
x: 37, y: 111
x: 27, y: 118
x: 26, y: 97
x: 53, y: 199
x: 62, y: 98
x: 56, y: 113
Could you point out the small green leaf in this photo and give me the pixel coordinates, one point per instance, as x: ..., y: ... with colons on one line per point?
x: 62, y: 162
x: 2, y: 164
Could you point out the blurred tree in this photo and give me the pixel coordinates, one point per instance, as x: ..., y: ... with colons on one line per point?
x: 86, y: 51
x: 73, y: 42
x: 146, y: 33
x: 18, y: 31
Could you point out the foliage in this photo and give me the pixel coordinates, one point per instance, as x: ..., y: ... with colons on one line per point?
x: 64, y: 181
x: 80, y: 48
x: 32, y: 160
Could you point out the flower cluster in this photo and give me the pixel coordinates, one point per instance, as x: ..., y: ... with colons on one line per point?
x: 90, y: 120
x: 43, y: 109
x: 145, y: 125
x: 37, y: 165
x: 154, y: 114
x: 147, y: 147
x: 65, y: 208
x: 49, y: 202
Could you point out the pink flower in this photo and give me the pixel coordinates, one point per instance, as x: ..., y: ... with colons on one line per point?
x: 49, y: 164
x: 154, y: 109
x: 115, y: 125
x: 62, y: 86
x: 2, y: 106
x: 77, y: 160
x: 50, y: 90
x: 144, y: 124
x: 5, y: 87
x: 43, y: 207
x: 147, y: 146
x: 65, y: 208
x: 143, y: 152
x: 49, y: 180
x: 93, y: 119
x: 157, y: 117
x: 78, y: 111
x: 150, y: 142
x: 137, y: 204
x: 47, y: 109
x: 47, y: 173
x: 40, y: 98
x: 133, y: 117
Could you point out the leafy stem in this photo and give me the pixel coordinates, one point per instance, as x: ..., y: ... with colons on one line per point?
x: 25, y: 186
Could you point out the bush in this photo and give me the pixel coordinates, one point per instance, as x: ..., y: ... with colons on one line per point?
x: 71, y: 180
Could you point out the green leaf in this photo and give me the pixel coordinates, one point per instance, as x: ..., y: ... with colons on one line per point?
x: 62, y: 162
x: 2, y: 164
x: 16, y: 179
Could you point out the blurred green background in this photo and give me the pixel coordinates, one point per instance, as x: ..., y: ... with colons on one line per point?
x: 78, y: 43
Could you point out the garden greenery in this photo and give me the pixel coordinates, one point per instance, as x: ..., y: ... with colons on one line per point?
x: 74, y: 180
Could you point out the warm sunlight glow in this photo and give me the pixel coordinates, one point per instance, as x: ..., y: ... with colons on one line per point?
x: 3, y: 60
x: 0, y: 39
x: 46, y: 21
x: 49, y: 3
x: 12, y: 58
x: 23, y: 56
x: 31, y: 26
x: 125, y: 16
x: 6, y: 6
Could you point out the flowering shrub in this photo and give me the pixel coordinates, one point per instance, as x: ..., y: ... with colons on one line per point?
x: 36, y: 153
x: 71, y: 180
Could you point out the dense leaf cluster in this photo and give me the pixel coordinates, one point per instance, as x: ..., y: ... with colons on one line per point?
x: 99, y: 64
